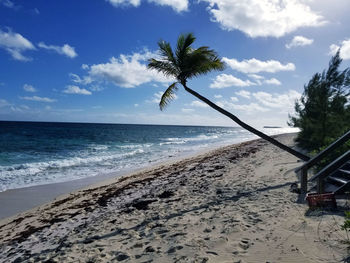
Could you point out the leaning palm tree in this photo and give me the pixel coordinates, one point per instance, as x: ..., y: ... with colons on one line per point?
x: 185, y: 63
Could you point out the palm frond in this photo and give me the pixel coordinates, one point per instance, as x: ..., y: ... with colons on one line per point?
x: 183, y: 47
x: 167, y: 68
x: 168, y: 96
x: 201, y: 61
x: 166, y: 51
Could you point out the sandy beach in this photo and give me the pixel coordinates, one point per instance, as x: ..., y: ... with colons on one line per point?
x: 232, y: 204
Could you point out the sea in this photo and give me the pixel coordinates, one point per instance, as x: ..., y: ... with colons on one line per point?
x: 38, y: 153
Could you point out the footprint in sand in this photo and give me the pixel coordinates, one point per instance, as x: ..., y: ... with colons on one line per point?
x: 245, y: 243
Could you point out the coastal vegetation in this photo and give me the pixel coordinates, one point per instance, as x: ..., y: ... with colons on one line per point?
x: 185, y: 63
x: 323, y: 111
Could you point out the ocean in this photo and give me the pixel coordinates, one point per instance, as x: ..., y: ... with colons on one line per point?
x: 37, y: 153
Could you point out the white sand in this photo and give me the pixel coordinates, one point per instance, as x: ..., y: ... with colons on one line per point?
x: 229, y: 205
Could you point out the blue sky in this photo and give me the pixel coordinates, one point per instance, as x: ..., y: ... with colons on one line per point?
x: 85, y: 61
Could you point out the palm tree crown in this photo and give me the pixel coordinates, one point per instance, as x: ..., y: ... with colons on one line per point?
x: 183, y: 63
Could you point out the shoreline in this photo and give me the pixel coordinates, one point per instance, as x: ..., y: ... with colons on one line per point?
x: 229, y: 204
x: 19, y: 200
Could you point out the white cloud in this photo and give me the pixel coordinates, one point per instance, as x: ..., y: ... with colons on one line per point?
x: 225, y: 80
x: 96, y: 88
x: 85, y: 80
x: 260, y: 80
x: 199, y: 104
x: 254, y: 65
x: 29, y: 88
x: 127, y: 71
x: 118, y: 3
x: 66, y: 49
x: 187, y: 110
x: 263, y: 18
x: 136, y: 105
x: 71, y: 89
x: 344, y: 49
x: 272, y: 81
x: 15, y: 44
x: 218, y: 96
x: 285, y: 102
x: 299, y: 41
x: 20, y: 108
x: 243, y: 93
x: 246, y: 108
x: 264, y: 102
x: 249, y: 108
x: 177, y: 5
x: 234, y: 99
x: 37, y: 98
x: 255, y: 76
x: 4, y: 103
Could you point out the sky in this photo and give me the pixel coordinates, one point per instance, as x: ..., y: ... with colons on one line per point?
x: 86, y: 61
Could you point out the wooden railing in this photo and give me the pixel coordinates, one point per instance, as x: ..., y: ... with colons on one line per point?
x: 303, y: 170
x: 321, y: 175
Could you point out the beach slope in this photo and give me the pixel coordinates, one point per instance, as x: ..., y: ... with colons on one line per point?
x: 232, y: 204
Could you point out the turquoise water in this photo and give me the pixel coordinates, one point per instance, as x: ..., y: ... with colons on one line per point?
x: 34, y: 153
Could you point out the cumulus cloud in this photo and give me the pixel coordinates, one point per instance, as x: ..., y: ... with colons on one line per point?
x: 65, y: 50
x: 263, y: 18
x: 199, y: 104
x: 254, y: 65
x: 71, y: 89
x: 243, y: 93
x: 127, y: 71
x: 177, y: 5
x: 255, y: 76
x: 263, y: 102
x: 218, y: 96
x: 225, y: 80
x: 344, y: 49
x: 299, y: 41
x: 29, y: 88
x: 272, y: 81
x: 39, y: 99
x: 15, y: 44
x: 284, y: 102
x: 246, y: 108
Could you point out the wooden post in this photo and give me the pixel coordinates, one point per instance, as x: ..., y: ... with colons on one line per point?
x: 303, y: 181
x: 320, y: 185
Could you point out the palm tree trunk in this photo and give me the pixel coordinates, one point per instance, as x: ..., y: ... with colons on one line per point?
x: 248, y: 127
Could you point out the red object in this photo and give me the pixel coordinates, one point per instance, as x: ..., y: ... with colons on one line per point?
x: 326, y: 200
